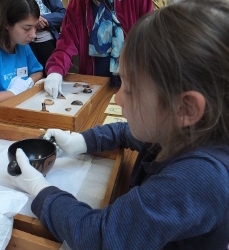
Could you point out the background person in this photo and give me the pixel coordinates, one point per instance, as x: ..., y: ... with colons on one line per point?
x: 19, y: 68
x: 48, y: 28
x: 174, y: 95
x: 84, y: 26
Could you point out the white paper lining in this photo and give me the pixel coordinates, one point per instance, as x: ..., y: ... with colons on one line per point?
x: 86, y: 177
x: 59, y: 106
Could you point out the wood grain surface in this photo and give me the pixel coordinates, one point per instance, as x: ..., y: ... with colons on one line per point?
x: 27, y: 232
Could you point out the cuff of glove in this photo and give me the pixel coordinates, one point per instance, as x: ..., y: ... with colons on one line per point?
x: 18, y: 85
x: 76, y: 145
x: 30, y: 82
x: 40, y: 81
x: 14, y: 91
x: 37, y: 204
x: 36, y: 189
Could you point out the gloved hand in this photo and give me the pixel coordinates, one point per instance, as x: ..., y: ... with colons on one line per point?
x: 40, y: 81
x: 53, y: 84
x: 30, y: 180
x: 73, y: 144
x: 18, y: 85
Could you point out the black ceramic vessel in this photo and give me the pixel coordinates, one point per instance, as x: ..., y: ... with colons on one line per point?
x: 41, y: 154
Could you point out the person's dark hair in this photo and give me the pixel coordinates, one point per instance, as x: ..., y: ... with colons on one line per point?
x: 183, y: 47
x: 13, y: 11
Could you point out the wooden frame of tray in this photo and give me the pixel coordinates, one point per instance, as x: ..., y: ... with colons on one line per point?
x: 38, y: 119
x: 27, y: 232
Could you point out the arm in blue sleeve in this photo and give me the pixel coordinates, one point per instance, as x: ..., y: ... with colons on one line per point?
x: 55, y: 18
x: 183, y: 201
x: 109, y: 137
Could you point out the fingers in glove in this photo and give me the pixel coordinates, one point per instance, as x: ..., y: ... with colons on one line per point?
x: 55, y: 93
x: 21, y: 158
x: 28, y: 171
x: 48, y: 134
x: 48, y: 89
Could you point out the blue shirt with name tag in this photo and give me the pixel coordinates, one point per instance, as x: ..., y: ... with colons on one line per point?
x: 22, y: 63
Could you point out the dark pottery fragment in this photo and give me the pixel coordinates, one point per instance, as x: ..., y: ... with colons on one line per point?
x: 77, y: 102
x: 87, y: 90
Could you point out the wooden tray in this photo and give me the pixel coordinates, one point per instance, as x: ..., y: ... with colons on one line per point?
x: 38, y: 119
x: 28, y: 233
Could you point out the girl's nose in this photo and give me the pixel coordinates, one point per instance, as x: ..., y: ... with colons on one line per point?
x: 33, y: 33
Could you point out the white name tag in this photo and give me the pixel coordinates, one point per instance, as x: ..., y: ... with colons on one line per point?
x: 22, y: 72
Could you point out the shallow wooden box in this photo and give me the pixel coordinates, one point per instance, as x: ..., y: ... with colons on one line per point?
x: 9, y: 113
x: 28, y: 233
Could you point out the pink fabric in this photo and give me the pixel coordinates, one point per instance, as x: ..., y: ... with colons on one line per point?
x: 76, y: 28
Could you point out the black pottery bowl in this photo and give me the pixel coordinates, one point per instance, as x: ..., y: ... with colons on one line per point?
x: 41, y: 154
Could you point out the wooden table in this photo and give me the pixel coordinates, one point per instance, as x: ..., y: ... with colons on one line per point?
x: 96, y: 117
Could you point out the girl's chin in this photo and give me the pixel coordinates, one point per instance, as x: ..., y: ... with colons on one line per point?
x: 25, y: 43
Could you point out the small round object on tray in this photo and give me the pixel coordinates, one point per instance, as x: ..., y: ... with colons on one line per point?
x: 77, y: 102
x: 48, y: 101
x: 87, y: 90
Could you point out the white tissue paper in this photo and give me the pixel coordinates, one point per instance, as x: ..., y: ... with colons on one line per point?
x: 11, y: 204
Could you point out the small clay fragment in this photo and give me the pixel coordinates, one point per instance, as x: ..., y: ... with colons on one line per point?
x: 68, y: 109
x: 83, y: 85
x: 61, y: 96
x: 88, y: 86
x: 87, y: 90
x: 77, y: 102
x: 44, y: 107
x: 76, y: 93
x: 48, y: 102
x: 76, y: 85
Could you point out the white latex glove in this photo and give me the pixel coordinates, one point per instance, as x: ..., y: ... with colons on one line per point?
x: 73, y: 144
x: 18, y: 85
x: 30, y: 180
x: 53, y: 84
x: 40, y: 81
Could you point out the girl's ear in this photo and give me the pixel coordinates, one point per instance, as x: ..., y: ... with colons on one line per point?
x: 191, y: 108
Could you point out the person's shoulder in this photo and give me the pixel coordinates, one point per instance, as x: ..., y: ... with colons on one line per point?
x: 24, y: 50
x: 28, y: 50
x: 200, y: 170
x: 204, y: 161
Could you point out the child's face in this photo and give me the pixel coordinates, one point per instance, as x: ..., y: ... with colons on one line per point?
x: 142, y: 110
x: 23, y: 32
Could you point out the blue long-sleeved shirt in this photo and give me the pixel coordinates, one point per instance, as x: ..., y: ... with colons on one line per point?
x: 182, y: 204
x: 22, y: 60
x: 56, y: 16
